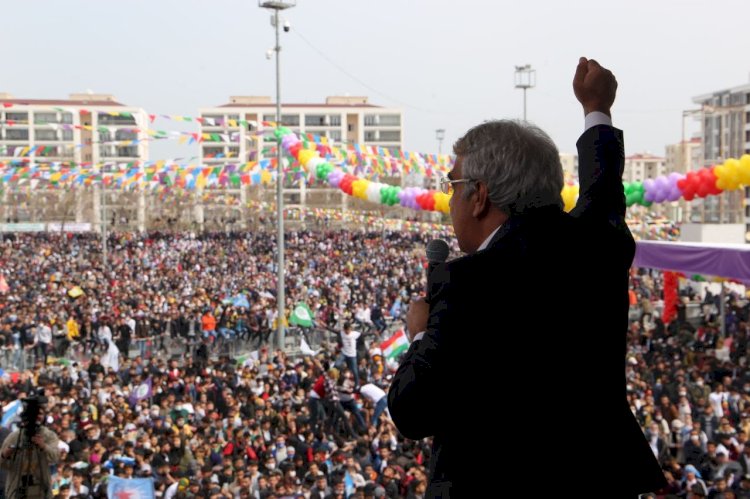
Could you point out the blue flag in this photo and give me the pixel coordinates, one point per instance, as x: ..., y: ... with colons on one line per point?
x: 10, y: 412
x: 396, y: 308
x: 133, y: 488
x: 240, y: 301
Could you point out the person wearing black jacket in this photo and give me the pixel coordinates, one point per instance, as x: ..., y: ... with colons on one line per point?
x: 482, y: 323
x: 123, y: 334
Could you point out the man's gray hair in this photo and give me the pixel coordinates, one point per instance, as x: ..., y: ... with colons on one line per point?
x: 517, y: 161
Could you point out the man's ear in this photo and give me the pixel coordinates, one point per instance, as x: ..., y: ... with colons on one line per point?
x: 480, y: 201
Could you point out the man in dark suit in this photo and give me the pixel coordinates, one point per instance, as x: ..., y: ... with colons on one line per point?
x: 538, y: 305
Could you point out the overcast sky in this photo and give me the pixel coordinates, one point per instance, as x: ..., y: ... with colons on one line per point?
x: 447, y: 64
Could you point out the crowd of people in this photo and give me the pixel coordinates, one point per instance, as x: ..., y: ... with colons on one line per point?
x: 268, y: 426
x: 203, y: 424
x: 689, y: 387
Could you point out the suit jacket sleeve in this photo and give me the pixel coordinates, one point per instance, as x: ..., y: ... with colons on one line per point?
x: 601, y: 161
x: 416, y: 396
x: 601, y: 200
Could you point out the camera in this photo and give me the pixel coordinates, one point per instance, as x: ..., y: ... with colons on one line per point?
x: 29, y: 417
x: 287, y: 26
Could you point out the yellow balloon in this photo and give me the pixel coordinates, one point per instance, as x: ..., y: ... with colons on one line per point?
x: 720, y: 171
x: 306, y: 155
x: 359, y: 188
x: 744, y: 169
x: 569, y: 196
x: 442, y: 201
x: 733, y: 167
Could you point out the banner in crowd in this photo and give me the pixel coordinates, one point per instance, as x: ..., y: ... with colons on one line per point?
x: 10, y: 412
x: 141, y: 392
x: 301, y: 315
x: 395, y: 345
x: 130, y: 488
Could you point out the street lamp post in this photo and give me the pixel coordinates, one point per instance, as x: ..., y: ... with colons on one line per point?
x: 440, y: 135
x: 276, y: 6
x: 525, y: 79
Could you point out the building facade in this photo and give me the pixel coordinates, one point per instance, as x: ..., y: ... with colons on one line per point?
x: 87, y: 130
x: 725, y: 132
x: 341, y: 120
x: 640, y: 167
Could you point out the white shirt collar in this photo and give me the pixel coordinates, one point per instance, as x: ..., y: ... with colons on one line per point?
x: 489, y: 238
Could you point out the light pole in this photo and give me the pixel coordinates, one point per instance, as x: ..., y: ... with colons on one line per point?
x: 440, y: 135
x: 276, y: 6
x: 104, y: 225
x: 525, y: 79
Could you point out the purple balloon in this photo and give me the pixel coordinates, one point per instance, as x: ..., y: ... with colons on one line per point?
x: 408, y: 198
x: 649, y: 188
x: 660, y: 189
x: 334, y: 178
x: 674, y: 177
x: 674, y: 190
x: 289, y: 140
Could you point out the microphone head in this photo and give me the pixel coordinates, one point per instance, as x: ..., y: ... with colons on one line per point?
x: 437, y: 251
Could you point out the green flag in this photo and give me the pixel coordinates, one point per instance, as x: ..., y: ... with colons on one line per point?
x: 301, y: 315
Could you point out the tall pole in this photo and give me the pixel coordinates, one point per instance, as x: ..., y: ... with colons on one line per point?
x: 524, y: 103
x: 440, y: 135
x: 103, y: 201
x: 281, y: 299
x: 525, y: 79
x: 278, y: 5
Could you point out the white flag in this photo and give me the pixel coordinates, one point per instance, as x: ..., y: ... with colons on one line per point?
x: 306, y: 350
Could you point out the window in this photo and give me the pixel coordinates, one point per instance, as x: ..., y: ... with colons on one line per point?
x: 45, y: 118
x: 334, y: 120
x: 125, y: 135
x: 17, y: 134
x: 128, y: 152
x: 390, y: 135
x: 66, y: 118
x: 370, y: 136
x: 106, y: 119
x: 17, y: 117
x: 290, y: 119
x: 45, y: 134
x: 334, y: 134
x: 286, y: 119
x: 315, y: 120
x: 67, y: 134
x: 390, y: 120
x: 213, y: 120
x: 212, y: 152
x: 371, y: 120
x: 233, y: 152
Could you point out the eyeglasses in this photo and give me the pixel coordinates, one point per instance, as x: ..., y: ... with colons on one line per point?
x: 446, y: 184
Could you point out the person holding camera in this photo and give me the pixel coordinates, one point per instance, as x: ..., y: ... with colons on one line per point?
x: 27, y: 454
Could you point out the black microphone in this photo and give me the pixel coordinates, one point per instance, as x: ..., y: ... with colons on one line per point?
x: 437, y: 252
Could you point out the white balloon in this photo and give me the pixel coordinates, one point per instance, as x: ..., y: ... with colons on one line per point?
x: 373, y: 192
